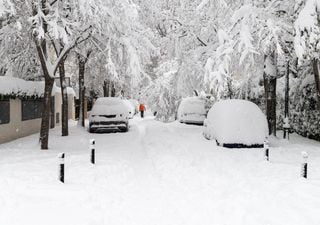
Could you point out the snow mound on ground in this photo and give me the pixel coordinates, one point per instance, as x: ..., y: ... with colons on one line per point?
x: 236, y: 122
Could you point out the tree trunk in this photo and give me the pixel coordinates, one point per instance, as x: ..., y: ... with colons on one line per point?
x: 106, y: 88
x: 81, y: 89
x: 270, y: 86
x: 113, y: 89
x: 45, y: 122
x: 316, y: 72
x: 286, y: 104
x: 64, y: 95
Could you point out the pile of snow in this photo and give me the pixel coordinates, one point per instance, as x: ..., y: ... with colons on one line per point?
x: 192, y: 110
x: 19, y: 87
x: 236, y: 122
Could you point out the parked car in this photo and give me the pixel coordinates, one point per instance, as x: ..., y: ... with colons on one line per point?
x: 130, y: 107
x: 135, y: 104
x: 192, y: 110
x: 109, y: 113
x: 236, y: 124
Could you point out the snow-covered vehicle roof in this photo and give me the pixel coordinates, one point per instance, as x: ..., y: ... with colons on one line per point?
x: 236, y: 123
x: 192, y: 110
x: 109, y: 105
x: 108, y: 101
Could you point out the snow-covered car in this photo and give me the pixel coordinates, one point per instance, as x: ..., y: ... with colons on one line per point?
x: 130, y: 107
x: 109, y: 113
x: 192, y: 110
x: 135, y: 104
x: 236, y: 124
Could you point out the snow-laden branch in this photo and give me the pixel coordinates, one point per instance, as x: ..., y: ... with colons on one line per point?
x: 67, y: 48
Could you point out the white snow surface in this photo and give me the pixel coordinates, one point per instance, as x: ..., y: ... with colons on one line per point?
x: 192, y: 105
x: 109, y: 106
x: 160, y: 174
x: 236, y: 122
x: 12, y: 85
x: 130, y: 107
x: 192, y: 109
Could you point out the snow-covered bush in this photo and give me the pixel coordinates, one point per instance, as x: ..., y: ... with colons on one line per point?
x: 236, y: 123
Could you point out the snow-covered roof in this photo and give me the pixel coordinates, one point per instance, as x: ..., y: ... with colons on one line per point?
x: 12, y: 86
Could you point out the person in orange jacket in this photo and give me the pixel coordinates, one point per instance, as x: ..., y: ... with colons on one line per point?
x: 142, y: 108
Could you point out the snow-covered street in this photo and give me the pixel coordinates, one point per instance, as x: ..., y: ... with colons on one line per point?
x: 157, y: 174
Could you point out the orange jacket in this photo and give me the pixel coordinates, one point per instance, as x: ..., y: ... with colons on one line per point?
x: 142, y: 107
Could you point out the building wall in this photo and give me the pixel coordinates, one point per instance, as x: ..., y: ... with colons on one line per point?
x: 71, y: 107
x: 17, y: 128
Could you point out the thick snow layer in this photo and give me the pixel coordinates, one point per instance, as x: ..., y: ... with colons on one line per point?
x: 192, y: 105
x: 16, y: 86
x: 236, y: 122
x: 109, y: 106
x: 160, y: 174
x: 109, y: 101
x: 192, y: 109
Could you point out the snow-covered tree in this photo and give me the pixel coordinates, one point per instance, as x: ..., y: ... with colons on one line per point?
x: 307, y: 44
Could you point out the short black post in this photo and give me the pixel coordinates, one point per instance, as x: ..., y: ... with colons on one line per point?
x: 61, y: 166
x: 266, y: 150
x: 304, y: 166
x: 92, y: 151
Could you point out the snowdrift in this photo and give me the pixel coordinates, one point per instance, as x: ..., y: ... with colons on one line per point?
x: 236, y: 123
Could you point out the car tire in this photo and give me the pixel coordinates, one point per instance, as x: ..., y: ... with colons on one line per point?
x: 126, y: 129
x: 91, y: 130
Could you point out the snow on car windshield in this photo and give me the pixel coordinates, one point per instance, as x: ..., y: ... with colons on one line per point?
x: 108, y: 101
x: 192, y: 105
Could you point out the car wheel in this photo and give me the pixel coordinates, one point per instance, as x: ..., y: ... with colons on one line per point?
x: 91, y: 130
x: 126, y: 129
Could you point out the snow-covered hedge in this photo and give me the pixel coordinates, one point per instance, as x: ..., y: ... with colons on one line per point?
x: 236, y: 122
x: 304, y: 113
x: 19, y: 88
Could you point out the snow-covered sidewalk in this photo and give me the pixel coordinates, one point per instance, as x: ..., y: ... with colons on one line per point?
x: 157, y: 174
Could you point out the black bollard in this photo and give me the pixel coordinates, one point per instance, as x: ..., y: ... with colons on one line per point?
x: 304, y: 166
x: 266, y: 150
x: 92, y: 151
x: 61, y: 166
